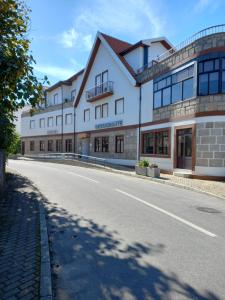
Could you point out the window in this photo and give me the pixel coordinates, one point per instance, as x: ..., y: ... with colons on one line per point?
x: 86, y: 115
x: 31, y: 145
x: 56, y: 99
x: 68, y: 143
x: 208, y: 79
x: 42, y: 123
x: 68, y: 119
x: 58, y: 120
x: 58, y: 146
x: 119, y: 144
x: 97, y: 144
x: 98, y: 112
x: 177, y: 92
x: 50, y: 121
x: 105, y: 144
x: 105, y: 110
x: 156, y: 143
x: 73, y: 95
x: 42, y: 146
x: 50, y: 145
x: 174, y: 88
x: 119, y: 106
x: 32, y: 124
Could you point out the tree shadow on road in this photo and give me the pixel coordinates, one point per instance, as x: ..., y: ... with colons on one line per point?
x: 90, y: 262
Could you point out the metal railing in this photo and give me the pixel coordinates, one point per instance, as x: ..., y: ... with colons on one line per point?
x: 203, y: 33
x: 69, y: 156
x: 106, y: 87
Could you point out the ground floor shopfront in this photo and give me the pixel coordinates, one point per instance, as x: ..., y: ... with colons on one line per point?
x: 196, y: 145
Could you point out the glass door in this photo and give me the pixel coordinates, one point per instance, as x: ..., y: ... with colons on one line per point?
x: 184, y: 148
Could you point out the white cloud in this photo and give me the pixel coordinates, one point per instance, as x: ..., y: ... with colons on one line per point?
x: 135, y: 19
x: 206, y: 4
x: 54, y: 71
x: 68, y: 38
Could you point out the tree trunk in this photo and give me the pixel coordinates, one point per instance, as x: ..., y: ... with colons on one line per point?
x: 2, y: 170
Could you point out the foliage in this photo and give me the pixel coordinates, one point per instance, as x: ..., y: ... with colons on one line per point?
x: 143, y: 163
x: 18, y: 84
x: 14, y: 143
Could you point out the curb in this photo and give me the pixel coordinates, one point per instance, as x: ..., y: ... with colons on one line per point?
x: 45, y: 280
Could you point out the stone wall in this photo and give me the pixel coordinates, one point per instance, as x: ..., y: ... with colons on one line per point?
x: 182, y: 56
x: 130, y: 144
x: 189, y: 107
x: 45, y: 139
x: 210, y: 144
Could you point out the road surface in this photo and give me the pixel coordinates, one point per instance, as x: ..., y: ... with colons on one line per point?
x: 120, y: 237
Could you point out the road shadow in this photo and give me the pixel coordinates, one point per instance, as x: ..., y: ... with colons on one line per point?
x: 90, y: 262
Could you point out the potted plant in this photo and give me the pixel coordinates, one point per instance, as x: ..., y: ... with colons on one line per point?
x: 141, y: 167
x: 153, y: 171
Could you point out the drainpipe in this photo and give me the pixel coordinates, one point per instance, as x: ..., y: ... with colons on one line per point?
x: 62, y: 119
x: 74, y: 128
x: 139, y: 124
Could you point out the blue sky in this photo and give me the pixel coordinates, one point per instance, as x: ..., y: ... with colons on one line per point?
x: 62, y: 31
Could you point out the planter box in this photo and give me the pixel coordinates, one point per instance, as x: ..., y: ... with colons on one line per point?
x: 141, y: 170
x: 153, y: 172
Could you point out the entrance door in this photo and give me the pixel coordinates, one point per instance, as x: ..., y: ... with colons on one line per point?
x: 85, y: 147
x: 23, y: 148
x: 184, y: 148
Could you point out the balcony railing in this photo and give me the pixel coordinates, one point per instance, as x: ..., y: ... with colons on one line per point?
x: 193, y: 38
x: 103, y: 90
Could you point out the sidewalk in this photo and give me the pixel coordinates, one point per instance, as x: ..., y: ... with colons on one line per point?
x: 20, y: 248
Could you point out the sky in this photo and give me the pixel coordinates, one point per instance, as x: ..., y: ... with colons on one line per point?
x: 62, y: 32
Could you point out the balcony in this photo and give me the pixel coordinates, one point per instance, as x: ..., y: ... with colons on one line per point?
x: 100, y: 91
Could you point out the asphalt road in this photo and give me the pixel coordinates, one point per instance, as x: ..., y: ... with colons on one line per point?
x: 119, y: 237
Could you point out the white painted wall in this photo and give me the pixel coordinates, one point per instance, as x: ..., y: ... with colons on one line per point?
x: 122, y: 89
x: 135, y: 58
x: 147, y: 102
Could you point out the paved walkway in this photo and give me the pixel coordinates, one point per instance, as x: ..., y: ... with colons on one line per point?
x: 19, y: 240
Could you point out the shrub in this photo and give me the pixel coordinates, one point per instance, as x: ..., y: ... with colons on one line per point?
x: 143, y: 163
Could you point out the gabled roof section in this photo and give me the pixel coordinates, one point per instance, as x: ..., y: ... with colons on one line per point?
x: 115, y: 47
x: 64, y: 82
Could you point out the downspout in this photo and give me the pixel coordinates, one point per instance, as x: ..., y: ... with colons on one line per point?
x: 74, y: 128
x: 139, y: 124
x: 62, y: 120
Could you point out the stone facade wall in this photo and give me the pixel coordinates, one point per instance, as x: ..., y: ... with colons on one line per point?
x: 189, y: 107
x: 182, y: 56
x: 210, y: 144
x: 130, y: 144
x: 45, y: 139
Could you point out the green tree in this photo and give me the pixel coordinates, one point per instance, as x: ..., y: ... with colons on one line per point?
x: 18, y: 84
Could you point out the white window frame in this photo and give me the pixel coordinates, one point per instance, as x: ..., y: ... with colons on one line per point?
x: 32, y: 124
x: 87, y: 115
x: 116, y: 108
x: 59, y: 117
x: 50, y: 118
x: 42, y: 125
x: 67, y: 120
x: 107, y: 110
x: 98, y: 107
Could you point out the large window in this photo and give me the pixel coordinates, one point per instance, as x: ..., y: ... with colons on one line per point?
x: 58, y: 146
x: 50, y: 145
x: 119, y: 106
x: 156, y: 143
x: 97, y: 144
x: 174, y: 88
x: 208, y: 81
x: 31, y: 145
x: 119, y: 144
x: 42, y: 146
x: 105, y: 110
x: 58, y: 120
x: 105, y: 144
x: 98, y: 112
x: 68, y: 143
x: 101, y: 111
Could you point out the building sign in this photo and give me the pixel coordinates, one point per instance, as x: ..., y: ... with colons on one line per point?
x: 109, y: 124
x: 52, y: 131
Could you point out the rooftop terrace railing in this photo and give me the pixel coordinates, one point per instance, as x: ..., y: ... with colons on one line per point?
x: 203, y: 33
